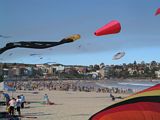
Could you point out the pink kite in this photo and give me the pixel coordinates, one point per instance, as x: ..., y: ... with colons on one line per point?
x: 111, y: 28
x: 157, y: 12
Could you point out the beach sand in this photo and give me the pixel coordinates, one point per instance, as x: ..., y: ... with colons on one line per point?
x: 69, y: 105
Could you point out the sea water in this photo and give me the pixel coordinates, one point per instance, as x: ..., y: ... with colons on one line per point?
x: 136, y: 85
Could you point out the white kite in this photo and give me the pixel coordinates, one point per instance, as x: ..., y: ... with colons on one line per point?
x: 118, y: 55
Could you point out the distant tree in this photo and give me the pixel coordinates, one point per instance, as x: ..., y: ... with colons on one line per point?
x: 102, y: 65
x: 124, y: 74
x: 147, y: 72
x: 14, y: 64
x: 124, y: 65
x: 90, y: 68
x: 135, y: 74
x: 142, y: 63
x: 5, y: 65
x: 135, y: 63
x: 96, y: 67
x: 153, y: 64
x: 1, y: 78
x: 40, y: 72
x: 152, y: 74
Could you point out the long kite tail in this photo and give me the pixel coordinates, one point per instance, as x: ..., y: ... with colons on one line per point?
x: 39, y: 45
x: 2, y: 50
x: 7, y: 47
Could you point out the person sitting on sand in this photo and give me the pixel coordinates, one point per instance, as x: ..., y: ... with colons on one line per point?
x: 113, y: 98
x: 46, y: 99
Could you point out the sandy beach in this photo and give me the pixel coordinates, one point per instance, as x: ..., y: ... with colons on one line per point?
x: 69, y: 105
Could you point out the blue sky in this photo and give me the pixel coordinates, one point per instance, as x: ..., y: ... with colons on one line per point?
x: 52, y: 20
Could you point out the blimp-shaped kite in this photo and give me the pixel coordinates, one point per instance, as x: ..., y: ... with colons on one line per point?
x: 112, y: 27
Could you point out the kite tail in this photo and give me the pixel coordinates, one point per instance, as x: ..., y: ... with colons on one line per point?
x: 7, y: 47
x: 2, y: 50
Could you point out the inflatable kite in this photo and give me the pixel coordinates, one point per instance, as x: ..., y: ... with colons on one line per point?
x: 112, y: 27
x: 119, y: 55
x: 157, y: 11
x: 144, y: 105
x: 37, y: 44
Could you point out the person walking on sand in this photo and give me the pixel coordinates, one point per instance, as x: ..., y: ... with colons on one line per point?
x: 7, y: 98
x: 22, y: 97
x: 12, y: 103
x: 18, y: 105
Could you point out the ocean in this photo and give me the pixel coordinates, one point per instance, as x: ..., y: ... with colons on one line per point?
x: 136, y: 85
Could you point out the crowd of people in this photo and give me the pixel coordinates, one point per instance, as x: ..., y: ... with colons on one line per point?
x: 14, y: 104
x: 68, y: 85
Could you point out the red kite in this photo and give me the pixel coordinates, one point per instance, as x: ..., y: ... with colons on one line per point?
x: 110, y: 28
x: 157, y: 11
x: 144, y: 105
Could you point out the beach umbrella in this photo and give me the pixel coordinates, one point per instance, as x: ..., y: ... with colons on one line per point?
x: 144, y: 105
x: 9, y: 86
x: 112, y: 27
x: 38, y: 44
x: 118, y: 55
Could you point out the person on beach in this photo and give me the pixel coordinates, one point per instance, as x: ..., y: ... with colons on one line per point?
x: 18, y: 105
x: 22, y: 97
x: 12, y: 103
x: 46, y: 99
x: 7, y: 98
x: 113, y: 98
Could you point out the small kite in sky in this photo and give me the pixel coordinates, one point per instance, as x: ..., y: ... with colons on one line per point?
x: 112, y: 27
x: 144, y: 105
x: 10, y: 54
x: 50, y: 63
x: 3, y: 36
x: 157, y: 12
x: 118, y: 55
x: 34, y: 54
x: 37, y: 44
